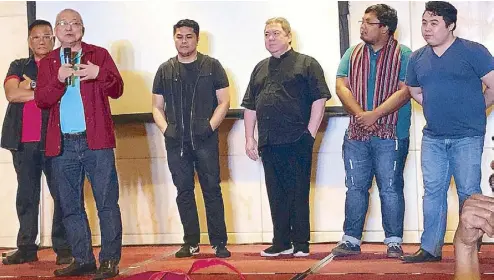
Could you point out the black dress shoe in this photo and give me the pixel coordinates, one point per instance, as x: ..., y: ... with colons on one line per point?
x: 76, y: 269
x: 64, y: 257
x: 107, y: 269
x: 421, y: 256
x: 21, y: 256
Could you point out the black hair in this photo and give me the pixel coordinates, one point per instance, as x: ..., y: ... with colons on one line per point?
x: 443, y: 9
x: 39, y: 22
x: 386, y: 15
x: 187, y: 23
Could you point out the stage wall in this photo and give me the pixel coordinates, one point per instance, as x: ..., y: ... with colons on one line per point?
x: 147, y: 194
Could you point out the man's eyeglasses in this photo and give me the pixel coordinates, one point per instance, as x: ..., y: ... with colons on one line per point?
x: 369, y: 23
x: 39, y: 38
x: 66, y: 24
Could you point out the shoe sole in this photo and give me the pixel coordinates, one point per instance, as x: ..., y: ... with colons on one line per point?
x: 196, y: 252
x: 86, y: 273
x: 63, y: 262
x: 286, y: 252
x: 181, y: 257
x: 106, y: 276
x: 301, y: 254
x: 394, y: 255
x: 422, y: 261
x: 6, y: 262
x: 337, y: 253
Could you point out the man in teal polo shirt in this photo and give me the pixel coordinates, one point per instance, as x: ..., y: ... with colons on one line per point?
x: 370, y: 86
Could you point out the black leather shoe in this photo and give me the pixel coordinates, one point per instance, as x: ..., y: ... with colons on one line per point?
x: 64, y: 257
x: 421, y: 256
x: 20, y: 256
x: 76, y: 269
x: 107, y: 269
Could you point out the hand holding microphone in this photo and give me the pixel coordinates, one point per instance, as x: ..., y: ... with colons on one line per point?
x: 67, y: 69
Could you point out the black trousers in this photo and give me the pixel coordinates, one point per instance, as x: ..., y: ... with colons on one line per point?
x: 205, y: 160
x: 29, y: 162
x: 287, y: 171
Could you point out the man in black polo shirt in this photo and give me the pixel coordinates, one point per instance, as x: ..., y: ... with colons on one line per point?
x: 286, y: 96
x: 23, y: 133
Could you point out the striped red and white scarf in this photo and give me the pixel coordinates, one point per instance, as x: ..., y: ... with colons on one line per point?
x: 387, y: 79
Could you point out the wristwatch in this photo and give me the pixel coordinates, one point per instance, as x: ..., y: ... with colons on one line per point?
x: 33, y: 84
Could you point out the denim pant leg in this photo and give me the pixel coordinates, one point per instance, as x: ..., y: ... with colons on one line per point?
x: 58, y: 234
x: 102, y: 173
x: 208, y: 172
x: 389, y: 158
x: 466, y: 159
x: 436, y: 171
x: 358, y: 180
x: 69, y: 173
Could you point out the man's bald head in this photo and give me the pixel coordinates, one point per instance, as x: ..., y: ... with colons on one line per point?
x: 69, y: 12
x: 69, y: 28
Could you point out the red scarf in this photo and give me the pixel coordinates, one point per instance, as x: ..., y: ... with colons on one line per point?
x: 387, y: 79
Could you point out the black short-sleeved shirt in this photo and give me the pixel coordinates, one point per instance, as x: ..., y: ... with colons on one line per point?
x: 191, y: 79
x: 281, y: 91
x: 220, y: 79
x: 12, y: 125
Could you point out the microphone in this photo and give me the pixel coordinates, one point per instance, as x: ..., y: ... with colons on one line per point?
x: 67, y: 53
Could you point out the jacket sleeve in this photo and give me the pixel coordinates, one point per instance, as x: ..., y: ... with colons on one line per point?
x: 49, y: 90
x: 109, y: 77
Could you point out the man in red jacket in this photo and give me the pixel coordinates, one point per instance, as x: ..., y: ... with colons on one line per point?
x: 80, y: 138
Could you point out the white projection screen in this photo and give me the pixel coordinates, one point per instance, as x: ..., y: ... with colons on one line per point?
x: 139, y: 36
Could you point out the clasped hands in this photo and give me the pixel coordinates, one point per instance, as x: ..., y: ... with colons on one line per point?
x: 86, y: 72
x: 367, y: 120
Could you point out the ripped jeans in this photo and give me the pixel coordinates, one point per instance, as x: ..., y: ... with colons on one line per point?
x: 384, y: 159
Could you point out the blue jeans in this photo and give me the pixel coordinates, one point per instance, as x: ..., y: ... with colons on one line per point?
x: 441, y: 159
x: 384, y: 159
x: 70, y: 169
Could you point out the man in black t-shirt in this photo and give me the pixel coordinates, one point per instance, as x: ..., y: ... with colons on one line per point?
x: 190, y: 100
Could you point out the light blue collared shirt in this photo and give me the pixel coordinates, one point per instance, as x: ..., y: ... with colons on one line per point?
x: 72, y: 119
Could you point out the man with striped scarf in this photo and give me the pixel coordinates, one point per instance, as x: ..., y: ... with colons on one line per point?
x: 370, y: 84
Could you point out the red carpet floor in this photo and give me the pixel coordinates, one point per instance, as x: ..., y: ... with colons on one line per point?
x: 371, y: 264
